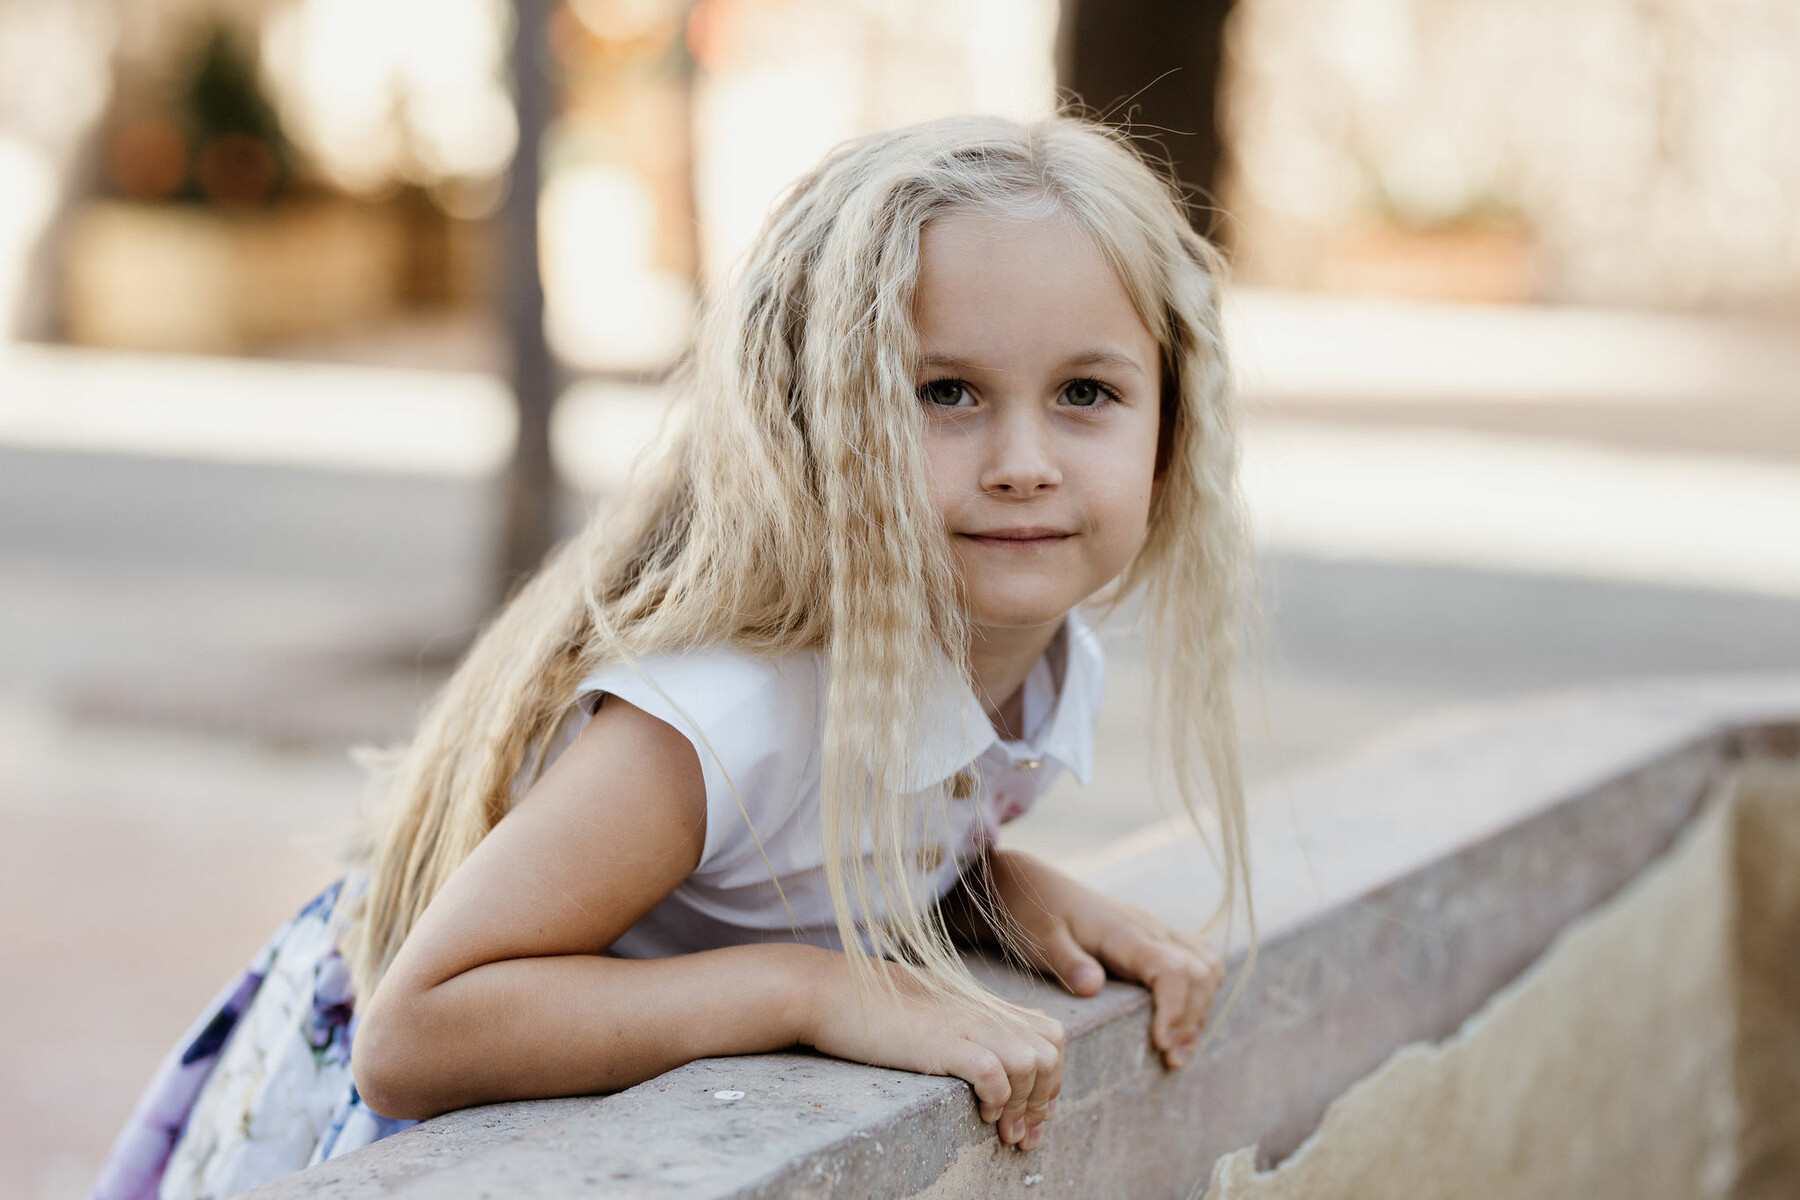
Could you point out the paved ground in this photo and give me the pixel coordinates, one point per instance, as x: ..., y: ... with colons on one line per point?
x: 188, y: 644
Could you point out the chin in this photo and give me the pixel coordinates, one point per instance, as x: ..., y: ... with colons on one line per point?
x: 1020, y: 612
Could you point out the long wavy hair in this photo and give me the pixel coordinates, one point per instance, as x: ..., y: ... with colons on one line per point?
x: 791, y: 512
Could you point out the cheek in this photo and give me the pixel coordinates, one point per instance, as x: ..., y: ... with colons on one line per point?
x: 942, y: 472
x: 1124, y: 481
x: 1124, y: 518
x: 953, y: 467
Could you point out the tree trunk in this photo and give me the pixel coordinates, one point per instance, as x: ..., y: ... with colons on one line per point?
x: 531, y: 491
x: 1154, y: 66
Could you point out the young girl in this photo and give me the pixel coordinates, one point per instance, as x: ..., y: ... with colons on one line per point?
x: 726, y: 775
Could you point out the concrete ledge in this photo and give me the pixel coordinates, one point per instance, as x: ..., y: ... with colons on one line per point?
x: 1396, y: 895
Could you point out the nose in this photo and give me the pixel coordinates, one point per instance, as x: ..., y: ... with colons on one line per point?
x: 1020, y: 460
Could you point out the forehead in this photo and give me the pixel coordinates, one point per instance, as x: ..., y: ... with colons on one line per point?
x: 1018, y: 288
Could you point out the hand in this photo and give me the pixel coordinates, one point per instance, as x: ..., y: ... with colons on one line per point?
x: 1078, y: 934
x: 1016, y: 1072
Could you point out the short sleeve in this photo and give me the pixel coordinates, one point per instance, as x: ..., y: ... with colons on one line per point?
x: 753, y: 723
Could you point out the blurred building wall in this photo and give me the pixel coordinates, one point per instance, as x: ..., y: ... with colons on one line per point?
x: 54, y: 63
x: 769, y: 86
x: 784, y: 80
x: 1611, y: 151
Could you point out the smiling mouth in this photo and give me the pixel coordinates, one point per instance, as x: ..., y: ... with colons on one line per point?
x: 1020, y: 539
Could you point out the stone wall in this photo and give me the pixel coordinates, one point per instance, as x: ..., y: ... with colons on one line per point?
x: 1397, y: 896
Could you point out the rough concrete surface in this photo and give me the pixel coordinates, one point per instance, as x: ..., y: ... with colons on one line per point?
x: 1419, y: 921
x: 1650, y: 1053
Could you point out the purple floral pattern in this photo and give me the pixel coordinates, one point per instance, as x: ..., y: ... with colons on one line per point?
x: 260, y: 1086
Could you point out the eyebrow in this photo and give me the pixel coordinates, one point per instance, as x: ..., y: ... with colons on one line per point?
x: 1087, y: 358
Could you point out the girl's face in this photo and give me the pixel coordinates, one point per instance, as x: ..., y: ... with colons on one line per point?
x: 1041, y: 393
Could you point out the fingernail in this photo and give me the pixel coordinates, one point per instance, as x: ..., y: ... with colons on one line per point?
x: 1033, y: 1136
x: 1050, y: 1109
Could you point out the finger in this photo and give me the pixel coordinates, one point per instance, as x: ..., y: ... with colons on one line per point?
x: 1161, y: 965
x: 1045, y: 1088
x: 1131, y: 951
x: 1045, y: 1026
x: 1205, y: 949
x: 1200, y: 960
x: 1020, y: 1057
x: 1078, y: 970
x: 1208, y: 964
x: 1203, y: 986
x: 984, y: 1071
x: 1169, y: 987
x: 1213, y: 966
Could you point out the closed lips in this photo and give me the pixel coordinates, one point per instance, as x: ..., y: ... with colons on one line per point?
x: 1029, y: 533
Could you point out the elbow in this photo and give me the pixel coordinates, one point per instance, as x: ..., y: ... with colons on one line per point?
x: 385, y: 1062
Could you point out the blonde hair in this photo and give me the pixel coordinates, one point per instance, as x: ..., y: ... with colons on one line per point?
x: 792, y: 512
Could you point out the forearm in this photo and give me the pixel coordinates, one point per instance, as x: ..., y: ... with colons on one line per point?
x: 579, y: 1024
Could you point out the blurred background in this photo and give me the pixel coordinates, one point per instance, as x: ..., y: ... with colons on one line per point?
x: 321, y: 319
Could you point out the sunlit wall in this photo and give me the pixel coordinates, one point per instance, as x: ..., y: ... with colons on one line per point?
x: 775, y: 83
x: 785, y: 79
x: 1644, y: 154
x: 379, y: 89
x: 53, y: 82
x: 676, y: 128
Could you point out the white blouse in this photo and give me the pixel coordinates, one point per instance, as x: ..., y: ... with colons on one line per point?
x: 756, y: 725
x: 278, y: 1093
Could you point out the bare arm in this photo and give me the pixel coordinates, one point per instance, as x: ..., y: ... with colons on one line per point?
x: 500, y: 992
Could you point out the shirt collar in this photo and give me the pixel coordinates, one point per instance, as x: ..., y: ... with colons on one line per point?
x: 1065, y: 735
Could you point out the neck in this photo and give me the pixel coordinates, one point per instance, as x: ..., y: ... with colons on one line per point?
x: 999, y: 660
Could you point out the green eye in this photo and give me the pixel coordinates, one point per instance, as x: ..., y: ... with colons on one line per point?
x: 946, y: 393
x: 1084, y: 393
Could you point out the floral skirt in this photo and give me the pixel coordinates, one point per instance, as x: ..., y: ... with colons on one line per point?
x: 260, y: 1086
